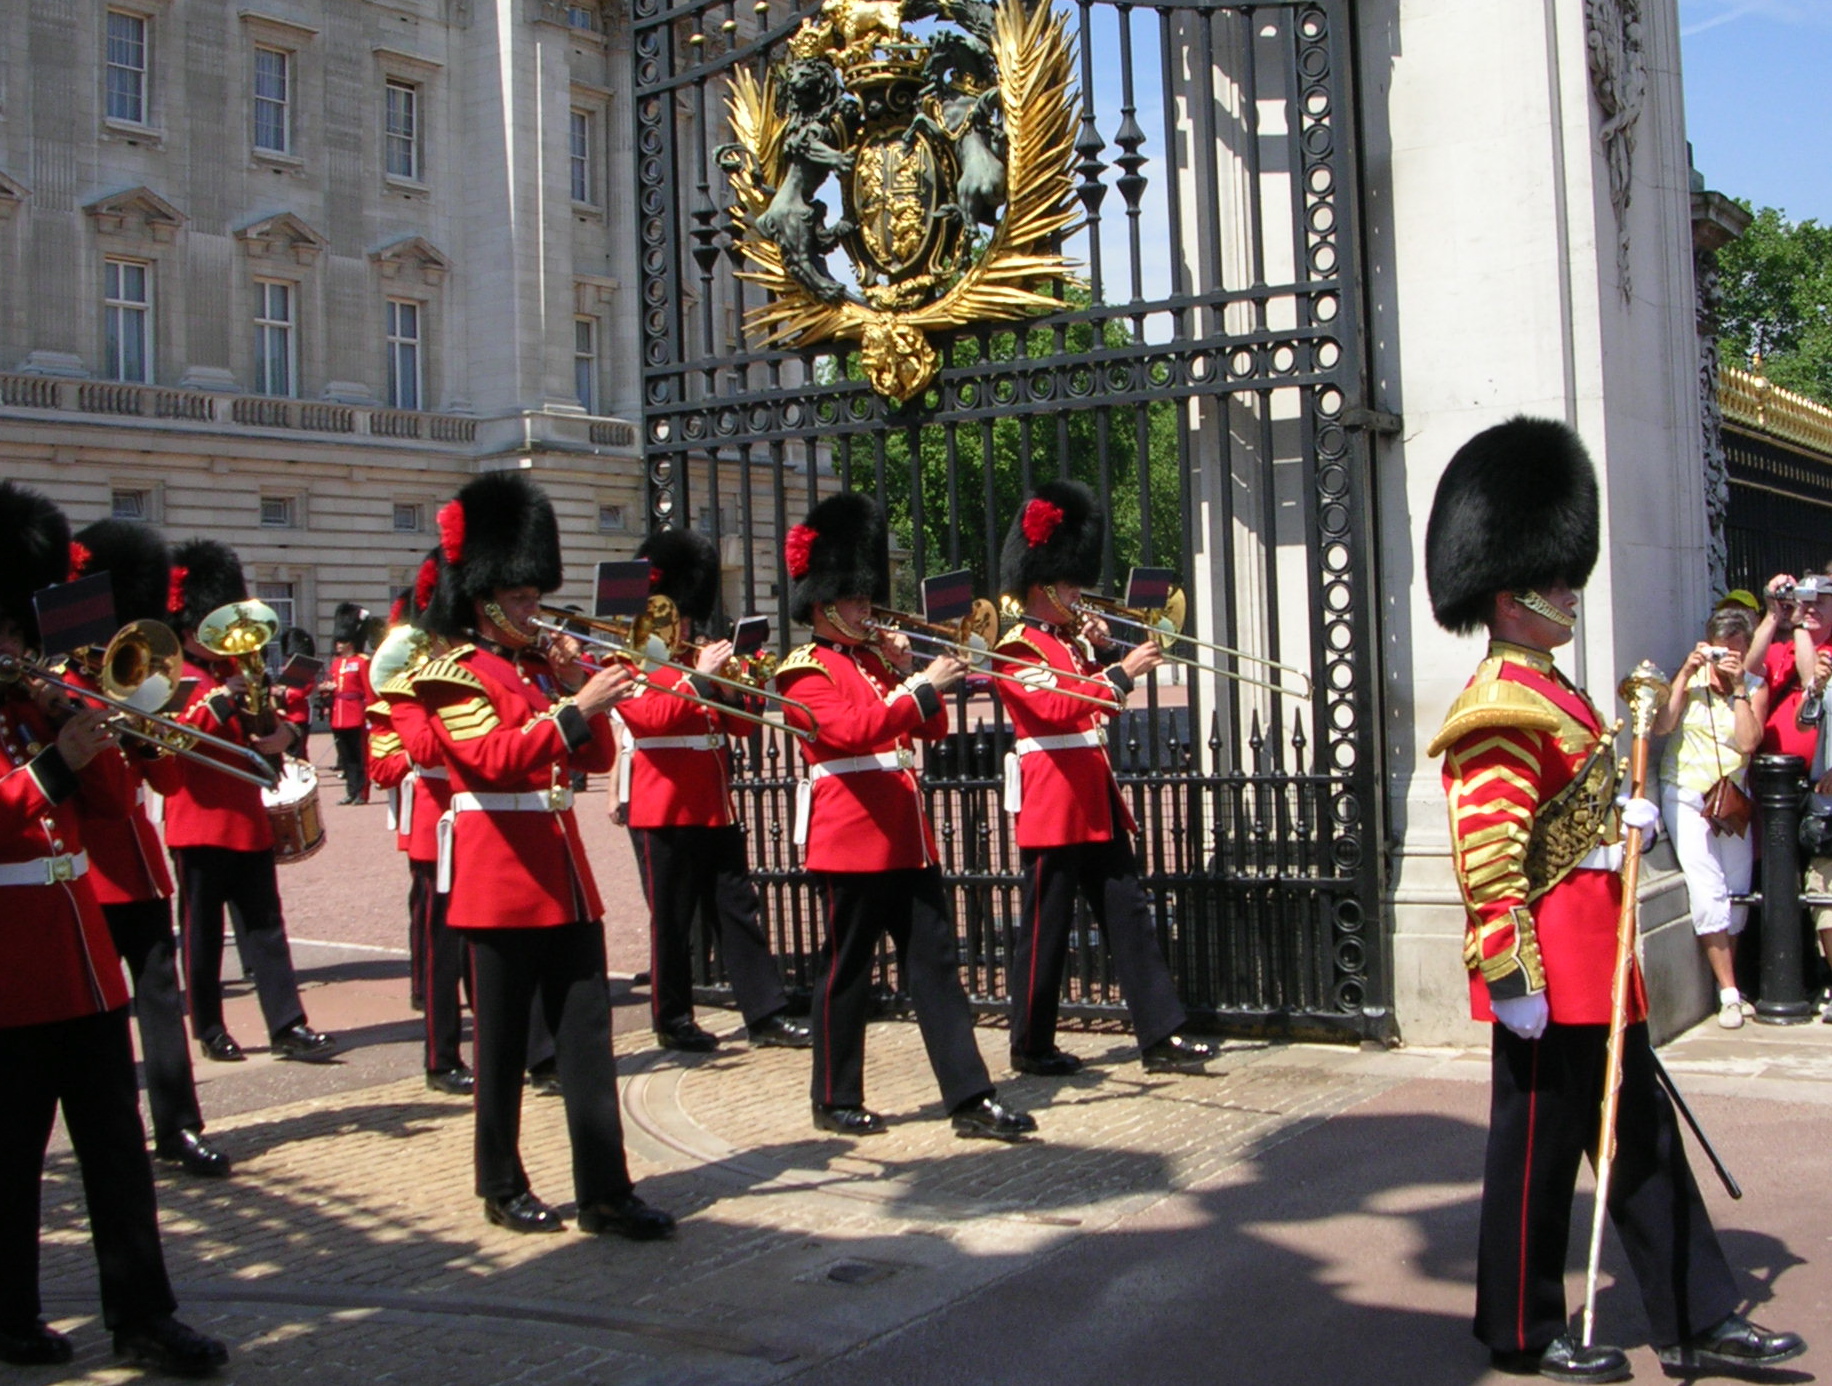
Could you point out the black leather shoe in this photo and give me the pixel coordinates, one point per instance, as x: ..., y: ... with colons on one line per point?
x: 167, y: 1345
x: 1055, y: 1064
x: 523, y: 1213
x: 44, y: 1346
x: 544, y: 1082
x: 453, y: 1082
x: 986, y: 1118
x: 779, y: 1032
x: 193, y: 1154
x: 221, y: 1048
x: 628, y: 1217
x: 688, y: 1038
x: 1178, y: 1054
x: 1734, y: 1345
x: 300, y: 1041
x: 847, y: 1121
x: 1563, y: 1359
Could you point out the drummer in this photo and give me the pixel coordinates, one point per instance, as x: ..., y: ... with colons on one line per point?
x: 221, y: 841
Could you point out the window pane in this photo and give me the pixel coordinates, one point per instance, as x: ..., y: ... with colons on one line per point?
x: 126, y: 61
x: 271, y: 72
x: 133, y: 282
x: 582, y: 380
x: 402, y: 131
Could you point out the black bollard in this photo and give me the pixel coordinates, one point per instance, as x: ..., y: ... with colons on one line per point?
x: 1778, y: 782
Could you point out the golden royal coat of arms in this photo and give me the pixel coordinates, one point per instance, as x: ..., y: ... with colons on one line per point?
x: 953, y: 158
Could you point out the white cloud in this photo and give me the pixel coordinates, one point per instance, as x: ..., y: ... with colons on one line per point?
x: 1699, y: 16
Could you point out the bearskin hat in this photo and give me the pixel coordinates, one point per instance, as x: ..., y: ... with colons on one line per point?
x: 36, y: 538
x: 684, y: 569
x: 841, y: 550
x: 297, y: 640
x: 135, y: 558
x: 205, y: 575
x: 1516, y: 510
x: 347, y: 624
x: 1056, y: 536
x: 498, y: 532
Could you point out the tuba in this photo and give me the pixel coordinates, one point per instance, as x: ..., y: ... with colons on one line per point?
x: 242, y: 631
x: 401, y: 651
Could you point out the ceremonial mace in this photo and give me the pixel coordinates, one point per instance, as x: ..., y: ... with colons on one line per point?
x: 1644, y: 690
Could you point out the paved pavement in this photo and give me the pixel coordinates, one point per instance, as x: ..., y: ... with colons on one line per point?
x: 1307, y: 1216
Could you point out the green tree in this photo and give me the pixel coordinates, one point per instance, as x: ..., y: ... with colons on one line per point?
x: 1777, y: 285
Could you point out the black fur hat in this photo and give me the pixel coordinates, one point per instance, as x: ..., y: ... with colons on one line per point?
x: 498, y: 532
x: 1055, y: 537
x: 841, y: 550
x: 205, y: 575
x: 347, y: 624
x: 1516, y: 510
x: 134, y: 557
x: 686, y: 570
x: 35, y: 537
x: 297, y: 640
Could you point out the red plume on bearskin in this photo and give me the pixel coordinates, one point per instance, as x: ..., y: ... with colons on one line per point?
x: 1040, y: 521
x: 79, y: 560
x: 847, y: 554
x: 174, y: 595
x: 424, y: 581
x: 798, y: 549
x: 1056, y: 537
x: 451, y: 531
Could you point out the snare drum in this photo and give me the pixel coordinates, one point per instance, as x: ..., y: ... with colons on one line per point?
x: 292, y: 808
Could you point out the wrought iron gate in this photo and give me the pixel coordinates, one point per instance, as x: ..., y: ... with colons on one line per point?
x: 1205, y: 377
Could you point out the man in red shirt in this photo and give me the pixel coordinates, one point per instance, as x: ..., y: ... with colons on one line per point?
x: 868, y: 843
x: 1790, y: 648
x: 514, y: 717
x: 346, y: 682
x: 220, y: 837
x: 674, y: 778
x: 64, y: 1039
x: 1074, y: 830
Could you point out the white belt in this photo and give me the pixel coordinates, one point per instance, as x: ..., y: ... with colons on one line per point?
x: 400, y: 801
x: 903, y: 758
x: 1031, y: 745
x: 537, y: 801
x: 44, y: 870
x: 1605, y: 858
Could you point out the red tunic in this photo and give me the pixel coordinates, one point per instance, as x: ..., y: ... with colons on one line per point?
x: 431, y: 781
x: 126, y: 859
x: 871, y: 820
x: 500, y: 733
x: 205, y: 808
x: 388, y: 767
x: 350, y: 692
x: 294, y: 704
x: 57, y: 961
x: 677, y: 786
x: 1067, y: 792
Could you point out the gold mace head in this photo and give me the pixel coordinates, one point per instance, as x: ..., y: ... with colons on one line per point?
x: 1644, y: 690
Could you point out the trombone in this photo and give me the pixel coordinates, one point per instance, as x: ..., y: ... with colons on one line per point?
x: 1164, y: 625
x: 966, y: 640
x: 139, y: 673
x: 628, y: 639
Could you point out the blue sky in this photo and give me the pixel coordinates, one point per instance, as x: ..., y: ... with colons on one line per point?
x: 1758, y: 77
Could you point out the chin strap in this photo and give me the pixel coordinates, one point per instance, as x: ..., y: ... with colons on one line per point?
x: 513, y: 634
x: 1539, y: 606
x: 1068, y: 617
x: 832, y: 613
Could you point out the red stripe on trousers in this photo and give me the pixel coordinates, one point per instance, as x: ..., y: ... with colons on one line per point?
x: 1526, y: 1184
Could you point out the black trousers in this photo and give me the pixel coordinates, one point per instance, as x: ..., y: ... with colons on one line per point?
x: 351, y: 764
x: 420, y: 885
x: 1544, y: 1111
x: 563, y: 969
x: 1107, y: 873
x: 704, y: 869
x: 912, y: 907
x: 143, y: 936
x: 438, y: 954
x: 208, y: 879
x: 87, y: 1065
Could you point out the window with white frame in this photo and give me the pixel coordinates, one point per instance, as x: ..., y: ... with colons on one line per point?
x: 583, y: 138
x: 407, y: 517
x: 585, y: 363
x: 401, y: 130
x: 279, y: 512
x: 131, y: 505
x: 126, y: 67
x: 273, y: 100
x: 127, y: 320
x: 403, y: 354
x: 274, y: 347
x: 282, y: 597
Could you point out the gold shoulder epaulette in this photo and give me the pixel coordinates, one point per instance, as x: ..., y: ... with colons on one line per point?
x: 449, y: 668
x: 1493, y: 702
x: 801, y: 658
x: 378, y: 708
x: 400, y: 686
x: 1019, y: 638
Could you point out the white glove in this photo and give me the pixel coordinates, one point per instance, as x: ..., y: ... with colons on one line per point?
x: 1526, y: 1015
x: 1643, y: 814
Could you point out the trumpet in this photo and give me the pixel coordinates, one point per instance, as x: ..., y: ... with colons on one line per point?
x: 970, y: 640
x: 139, y: 672
x: 635, y: 642
x: 1163, y: 625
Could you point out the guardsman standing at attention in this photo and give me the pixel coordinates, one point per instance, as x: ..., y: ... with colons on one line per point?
x: 513, y: 723
x: 63, y: 1003
x: 220, y: 837
x: 1530, y: 779
x: 675, y: 774
x: 127, y: 864
x: 1074, y: 830
x: 868, y: 843
x: 347, y: 683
